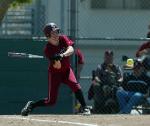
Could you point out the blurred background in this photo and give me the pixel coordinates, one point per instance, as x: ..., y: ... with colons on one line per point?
x: 94, y: 25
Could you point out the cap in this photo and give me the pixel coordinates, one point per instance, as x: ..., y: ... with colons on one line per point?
x: 130, y: 63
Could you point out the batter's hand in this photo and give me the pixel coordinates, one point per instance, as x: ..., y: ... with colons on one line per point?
x: 57, y: 57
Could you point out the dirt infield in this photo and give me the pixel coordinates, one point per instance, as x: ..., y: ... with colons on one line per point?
x: 75, y: 120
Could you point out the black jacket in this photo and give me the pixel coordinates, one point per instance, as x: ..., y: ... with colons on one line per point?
x: 136, y: 84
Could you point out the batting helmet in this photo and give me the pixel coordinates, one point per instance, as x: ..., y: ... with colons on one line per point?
x: 50, y: 27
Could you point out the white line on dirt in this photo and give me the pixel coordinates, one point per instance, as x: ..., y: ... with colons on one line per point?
x: 49, y: 121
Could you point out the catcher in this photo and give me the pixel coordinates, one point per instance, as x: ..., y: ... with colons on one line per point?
x: 58, y: 50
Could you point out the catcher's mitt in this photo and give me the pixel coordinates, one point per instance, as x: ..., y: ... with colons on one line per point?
x: 57, y: 64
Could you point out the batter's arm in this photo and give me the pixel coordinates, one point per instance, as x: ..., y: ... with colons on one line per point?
x: 68, y: 52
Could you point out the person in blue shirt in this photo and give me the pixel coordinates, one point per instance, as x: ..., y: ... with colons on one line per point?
x: 134, y: 89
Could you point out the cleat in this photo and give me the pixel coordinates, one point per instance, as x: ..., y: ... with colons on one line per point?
x: 86, y: 111
x: 27, y: 109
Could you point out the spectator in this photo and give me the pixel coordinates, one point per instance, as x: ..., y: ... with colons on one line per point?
x: 144, y: 53
x: 134, y: 88
x: 106, y: 80
x: 144, y: 49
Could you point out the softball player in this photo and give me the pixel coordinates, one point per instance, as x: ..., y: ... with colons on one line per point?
x: 58, y: 50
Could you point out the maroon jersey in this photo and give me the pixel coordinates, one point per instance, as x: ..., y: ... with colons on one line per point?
x: 51, y: 50
x: 145, y: 45
x: 80, y: 56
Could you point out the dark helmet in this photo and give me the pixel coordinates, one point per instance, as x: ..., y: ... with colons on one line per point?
x: 50, y: 27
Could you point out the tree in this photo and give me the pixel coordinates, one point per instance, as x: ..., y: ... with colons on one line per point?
x: 5, y: 4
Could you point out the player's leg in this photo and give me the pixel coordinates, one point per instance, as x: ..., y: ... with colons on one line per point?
x: 53, y: 86
x: 122, y: 97
x: 135, y: 99
x: 71, y: 81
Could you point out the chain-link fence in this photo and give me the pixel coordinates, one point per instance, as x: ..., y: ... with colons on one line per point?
x: 23, y: 21
x: 96, y: 26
